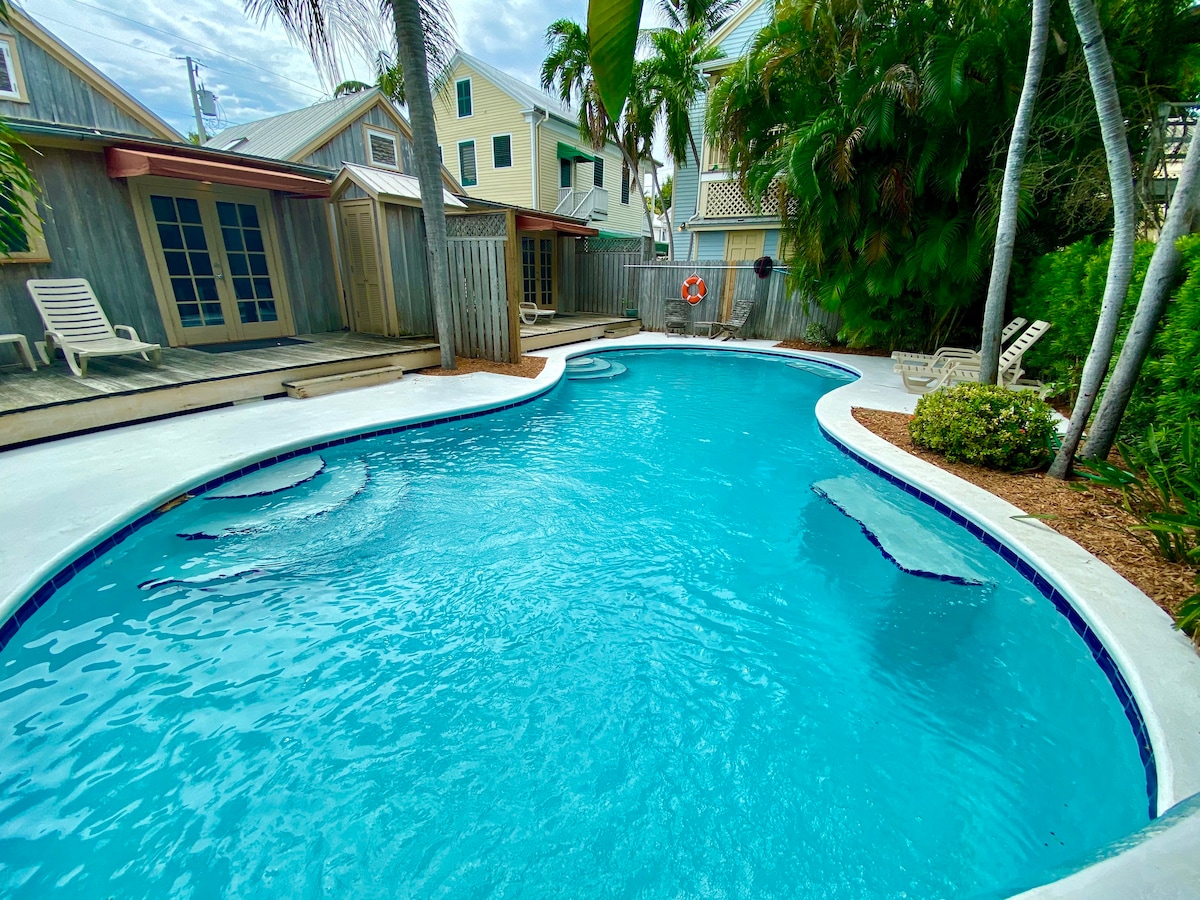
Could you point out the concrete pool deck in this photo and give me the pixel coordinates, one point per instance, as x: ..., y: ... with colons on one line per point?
x: 64, y: 497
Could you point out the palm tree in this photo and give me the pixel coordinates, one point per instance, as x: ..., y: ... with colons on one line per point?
x: 677, y: 83
x: 1010, y: 195
x: 1120, y: 264
x: 709, y: 14
x: 388, y: 78
x: 1156, y: 292
x: 423, y: 29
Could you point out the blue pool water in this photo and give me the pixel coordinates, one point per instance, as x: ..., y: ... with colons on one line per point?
x: 610, y: 643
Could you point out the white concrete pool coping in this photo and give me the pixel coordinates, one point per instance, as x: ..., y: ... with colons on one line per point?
x: 62, y: 498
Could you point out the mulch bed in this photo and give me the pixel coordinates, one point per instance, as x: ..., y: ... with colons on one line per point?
x: 528, y: 367
x: 1085, y: 513
x: 831, y: 348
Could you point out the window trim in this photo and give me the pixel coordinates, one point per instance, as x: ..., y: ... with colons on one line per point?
x: 470, y: 97
x: 370, y: 131
x: 35, y: 236
x: 475, y: 156
x: 510, y: 150
x: 18, y: 78
x: 598, y: 165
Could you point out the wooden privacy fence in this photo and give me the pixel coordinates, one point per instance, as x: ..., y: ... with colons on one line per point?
x: 606, y: 279
x: 484, y: 326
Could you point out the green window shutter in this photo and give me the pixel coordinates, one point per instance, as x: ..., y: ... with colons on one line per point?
x: 463, y: 89
x: 466, y: 164
x: 502, y: 151
x: 625, y: 183
x: 598, y: 172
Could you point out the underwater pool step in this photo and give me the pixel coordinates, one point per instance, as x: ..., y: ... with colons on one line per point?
x: 228, y: 516
x: 272, y: 479
x: 586, y: 368
x: 893, y: 525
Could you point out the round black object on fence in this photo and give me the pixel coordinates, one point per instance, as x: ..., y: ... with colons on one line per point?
x: 763, y: 266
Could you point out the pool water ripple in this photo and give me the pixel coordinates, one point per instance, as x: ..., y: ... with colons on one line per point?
x: 606, y: 644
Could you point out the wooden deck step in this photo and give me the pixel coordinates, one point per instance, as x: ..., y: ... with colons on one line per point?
x: 625, y: 329
x: 317, y: 387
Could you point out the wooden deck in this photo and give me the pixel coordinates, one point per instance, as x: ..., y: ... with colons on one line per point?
x: 568, y: 328
x: 51, y: 402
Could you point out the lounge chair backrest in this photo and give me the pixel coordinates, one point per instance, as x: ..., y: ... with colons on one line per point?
x: 1012, y: 328
x: 741, y: 312
x: 68, y: 306
x: 1011, y: 357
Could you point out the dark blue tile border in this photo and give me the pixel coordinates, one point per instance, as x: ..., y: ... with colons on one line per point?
x: 1099, y: 652
x: 9, y: 628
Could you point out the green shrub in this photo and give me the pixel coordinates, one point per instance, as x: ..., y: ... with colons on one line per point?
x: 985, y: 425
x: 816, y: 333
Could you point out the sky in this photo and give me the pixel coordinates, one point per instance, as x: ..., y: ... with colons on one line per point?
x: 250, y: 65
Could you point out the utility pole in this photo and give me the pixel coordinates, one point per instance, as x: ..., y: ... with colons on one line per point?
x: 195, y: 100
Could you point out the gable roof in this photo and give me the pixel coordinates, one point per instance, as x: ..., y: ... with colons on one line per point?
x: 394, y: 186
x: 525, y: 94
x: 20, y: 21
x: 730, y: 25
x: 291, y: 135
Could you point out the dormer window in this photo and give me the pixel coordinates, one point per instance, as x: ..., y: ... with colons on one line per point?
x: 383, y: 149
x: 235, y: 144
x: 12, y: 85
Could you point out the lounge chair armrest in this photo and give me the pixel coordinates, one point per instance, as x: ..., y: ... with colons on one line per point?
x: 130, y: 332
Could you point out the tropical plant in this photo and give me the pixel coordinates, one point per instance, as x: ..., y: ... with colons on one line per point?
x: 1007, y: 218
x: 423, y: 31
x: 985, y: 425
x: 1156, y: 289
x: 1120, y: 266
x: 710, y: 14
x: 388, y: 78
x: 677, y: 81
x: 18, y: 187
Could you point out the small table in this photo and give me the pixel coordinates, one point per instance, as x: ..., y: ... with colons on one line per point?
x: 22, y: 348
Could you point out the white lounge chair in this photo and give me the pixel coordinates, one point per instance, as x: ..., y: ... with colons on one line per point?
x: 924, y: 378
x: 531, y: 313
x: 944, y: 354
x: 76, y: 325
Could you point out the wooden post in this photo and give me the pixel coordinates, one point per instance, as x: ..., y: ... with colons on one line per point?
x: 512, y: 273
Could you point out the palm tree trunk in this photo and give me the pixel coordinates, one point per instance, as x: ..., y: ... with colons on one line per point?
x: 637, y: 177
x: 410, y: 40
x: 1156, y: 291
x: 666, y: 212
x: 1010, y: 195
x: 1120, y: 264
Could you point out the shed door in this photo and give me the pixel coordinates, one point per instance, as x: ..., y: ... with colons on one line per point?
x: 364, y: 276
x: 744, y: 245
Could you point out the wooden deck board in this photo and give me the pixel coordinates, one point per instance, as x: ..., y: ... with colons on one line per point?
x: 22, y: 390
x: 567, y: 328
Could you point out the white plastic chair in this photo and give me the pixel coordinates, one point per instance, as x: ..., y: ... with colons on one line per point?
x: 531, y: 313
x: 924, y: 378
x: 945, y: 354
x: 76, y: 325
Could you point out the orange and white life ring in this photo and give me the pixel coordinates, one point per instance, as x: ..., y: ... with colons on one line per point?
x: 693, y: 281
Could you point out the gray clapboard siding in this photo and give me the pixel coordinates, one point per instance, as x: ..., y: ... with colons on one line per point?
x: 58, y: 95
x: 308, y: 263
x: 90, y: 233
x: 410, y: 268
x: 349, y: 144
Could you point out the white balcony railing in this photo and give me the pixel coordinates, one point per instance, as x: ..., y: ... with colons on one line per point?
x: 589, y: 204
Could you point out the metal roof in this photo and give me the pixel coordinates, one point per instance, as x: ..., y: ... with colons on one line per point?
x: 285, y: 135
x: 394, y: 185
x: 523, y: 93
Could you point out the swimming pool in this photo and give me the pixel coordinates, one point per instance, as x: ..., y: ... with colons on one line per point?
x: 622, y: 645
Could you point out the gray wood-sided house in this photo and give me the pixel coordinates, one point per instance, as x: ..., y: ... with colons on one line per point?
x: 232, y: 241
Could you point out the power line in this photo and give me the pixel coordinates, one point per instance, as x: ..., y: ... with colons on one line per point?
x: 178, y: 37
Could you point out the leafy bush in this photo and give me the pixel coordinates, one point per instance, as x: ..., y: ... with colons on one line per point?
x: 1066, y: 288
x: 816, y: 333
x: 985, y: 425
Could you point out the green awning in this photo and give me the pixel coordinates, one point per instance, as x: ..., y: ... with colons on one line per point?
x: 566, y: 151
x: 617, y: 234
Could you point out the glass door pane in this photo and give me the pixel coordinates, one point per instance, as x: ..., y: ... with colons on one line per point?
x: 189, y: 265
x: 546, y: 271
x: 529, y: 282
x: 246, y: 253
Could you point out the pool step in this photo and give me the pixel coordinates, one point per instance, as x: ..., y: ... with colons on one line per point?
x: 586, y: 368
x: 224, y: 516
x: 317, y: 387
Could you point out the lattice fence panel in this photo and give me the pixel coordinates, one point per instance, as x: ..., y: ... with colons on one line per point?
x: 487, y: 225
x: 612, y: 245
